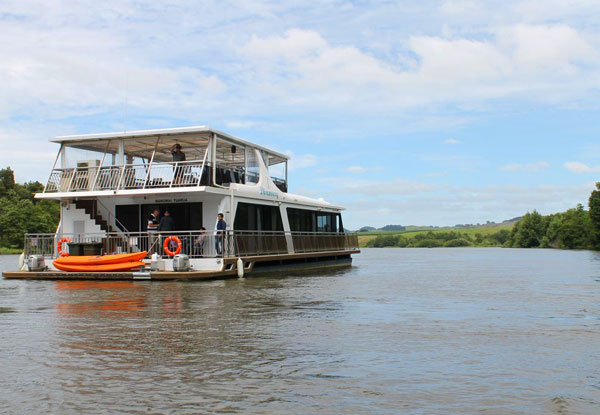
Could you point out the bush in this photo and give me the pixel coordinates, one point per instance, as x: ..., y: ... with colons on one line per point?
x: 499, y: 238
x: 427, y: 243
x: 383, y: 241
x: 456, y: 242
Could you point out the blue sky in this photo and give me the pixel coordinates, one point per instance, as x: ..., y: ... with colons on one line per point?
x: 430, y: 112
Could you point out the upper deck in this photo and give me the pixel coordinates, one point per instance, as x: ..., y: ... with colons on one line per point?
x: 144, y: 161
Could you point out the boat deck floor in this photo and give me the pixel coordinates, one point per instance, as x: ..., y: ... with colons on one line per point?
x: 287, y: 261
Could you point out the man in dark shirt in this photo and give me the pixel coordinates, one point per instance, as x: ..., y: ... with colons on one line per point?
x: 177, y: 154
x: 153, y: 221
x: 152, y: 227
x: 167, y: 223
x: 221, y: 227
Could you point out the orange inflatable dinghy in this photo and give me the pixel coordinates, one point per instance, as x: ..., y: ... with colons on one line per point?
x: 99, y: 259
x: 119, y: 266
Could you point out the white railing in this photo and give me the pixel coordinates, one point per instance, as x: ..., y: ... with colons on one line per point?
x: 128, y: 176
x: 147, y: 176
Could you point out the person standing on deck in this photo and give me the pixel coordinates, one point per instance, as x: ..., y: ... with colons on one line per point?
x: 221, y: 227
x: 178, y: 156
x: 167, y: 224
x: 152, y: 228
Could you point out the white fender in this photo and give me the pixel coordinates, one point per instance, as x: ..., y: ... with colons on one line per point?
x: 240, y: 268
x: 22, y: 265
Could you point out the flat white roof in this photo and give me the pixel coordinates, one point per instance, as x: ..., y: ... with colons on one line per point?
x: 67, y: 139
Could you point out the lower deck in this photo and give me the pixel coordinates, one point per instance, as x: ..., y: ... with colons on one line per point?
x: 252, y: 265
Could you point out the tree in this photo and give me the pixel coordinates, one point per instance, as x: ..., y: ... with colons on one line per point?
x: 529, y: 231
x: 552, y: 231
x: 21, y: 213
x: 575, y: 230
x: 7, y: 180
x: 594, y: 205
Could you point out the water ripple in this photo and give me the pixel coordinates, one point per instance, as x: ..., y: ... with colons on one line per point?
x: 417, y: 331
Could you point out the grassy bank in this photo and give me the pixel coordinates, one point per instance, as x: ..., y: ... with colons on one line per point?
x: 485, y: 236
x: 10, y: 251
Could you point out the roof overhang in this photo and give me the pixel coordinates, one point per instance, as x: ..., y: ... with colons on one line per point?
x: 74, y: 140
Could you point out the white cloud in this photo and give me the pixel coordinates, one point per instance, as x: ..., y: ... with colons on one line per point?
x: 452, y: 141
x: 302, y: 67
x: 528, y: 167
x: 76, y: 70
x: 355, y: 169
x: 580, y: 168
x: 552, y: 10
x: 398, y: 186
x: 105, y: 60
x: 301, y: 161
x: 538, y: 48
x: 30, y: 161
x: 458, y: 8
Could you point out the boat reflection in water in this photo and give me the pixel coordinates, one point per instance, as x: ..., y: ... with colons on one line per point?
x: 121, y: 296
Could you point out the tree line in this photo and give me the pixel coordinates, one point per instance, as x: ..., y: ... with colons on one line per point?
x: 20, y: 213
x: 437, y: 239
x: 575, y: 228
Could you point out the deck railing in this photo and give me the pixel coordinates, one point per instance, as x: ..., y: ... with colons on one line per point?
x: 197, y: 244
x: 147, y: 176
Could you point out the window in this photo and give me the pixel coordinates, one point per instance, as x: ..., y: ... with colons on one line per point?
x: 252, y: 169
x: 303, y: 220
x: 129, y: 217
x: 253, y: 217
x: 187, y: 216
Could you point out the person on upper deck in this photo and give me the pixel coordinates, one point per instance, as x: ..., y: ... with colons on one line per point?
x: 176, y: 152
x: 178, y: 156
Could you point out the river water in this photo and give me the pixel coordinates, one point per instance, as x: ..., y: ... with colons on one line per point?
x: 413, y: 331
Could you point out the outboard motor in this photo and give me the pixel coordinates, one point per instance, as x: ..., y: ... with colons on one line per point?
x: 181, y: 262
x: 36, y: 263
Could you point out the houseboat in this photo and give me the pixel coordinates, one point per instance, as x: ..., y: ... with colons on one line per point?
x: 153, y: 198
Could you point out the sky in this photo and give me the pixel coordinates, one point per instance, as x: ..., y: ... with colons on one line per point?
x: 413, y: 113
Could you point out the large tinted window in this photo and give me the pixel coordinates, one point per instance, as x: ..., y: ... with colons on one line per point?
x: 128, y: 216
x: 251, y: 217
x: 303, y: 220
x: 186, y: 216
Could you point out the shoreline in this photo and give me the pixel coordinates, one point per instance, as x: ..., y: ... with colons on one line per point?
x: 10, y: 251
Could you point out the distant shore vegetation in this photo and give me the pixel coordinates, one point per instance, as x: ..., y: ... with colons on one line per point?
x: 438, y: 238
x: 575, y: 228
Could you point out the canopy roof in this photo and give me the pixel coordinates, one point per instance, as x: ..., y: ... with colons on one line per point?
x: 142, y: 143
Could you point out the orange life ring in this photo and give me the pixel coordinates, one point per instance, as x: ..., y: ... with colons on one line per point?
x: 166, y: 245
x: 60, y: 251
